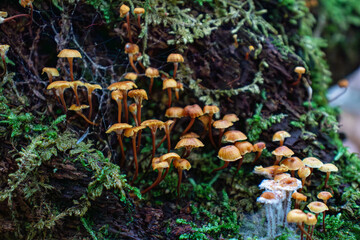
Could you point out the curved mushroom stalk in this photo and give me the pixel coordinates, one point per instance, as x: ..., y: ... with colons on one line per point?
x: 131, y: 61
x: 86, y: 119
x: 157, y: 181
x: 189, y: 126
x: 176, y: 65
x: 220, y: 168
x: 135, y: 159
x: 170, y: 96
x: 60, y: 93
x: 122, y: 160
x: 300, y: 226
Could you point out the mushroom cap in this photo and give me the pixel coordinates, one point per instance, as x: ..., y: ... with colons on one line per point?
x: 300, y: 70
x: 324, y: 195
x: 268, y: 185
x: 312, y: 162
x: 190, y: 135
x: 130, y: 132
x: 304, y: 172
x: 179, y: 86
x: 26, y: 3
x: 189, y: 143
x: 279, y: 177
x: 59, y: 85
x: 299, y: 196
x: 138, y: 94
x: 222, y: 124
x: 118, y: 127
x: 280, y: 136
x: 168, y: 123
x: 69, y: 53
x: 328, y: 167
x: 3, y: 14
x: 259, y: 146
x: 182, y: 164
x: 131, y: 48
x: 231, y: 117
x: 4, y: 48
x: 152, y: 72
x: 271, y: 171
x: 153, y: 123
x: 283, y: 151
x: 289, y: 184
x: 139, y: 10
x: 52, y: 71
x: 169, y: 83
x: 92, y: 87
x: 343, y: 83
x: 76, y: 83
x: 296, y: 216
x: 229, y: 153
x: 293, y: 163
x: 317, y: 207
x: 234, y: 136
x: 311, y: 219
x: 124, y: 85
x: 117, y: 95
x: 193, y: 111
x: 268, y: 198
x: 157, y: 164
x: 174, y: 112
x: 123, y: 10
x: 175, y: 58
x: 169, y: 157
x: 210, y: 109
x: 133, y: 108
x: 251, y: 48
x: 76, y: 108
x: 244, y: 147
x: 131, y: 76
x: 205, y: 119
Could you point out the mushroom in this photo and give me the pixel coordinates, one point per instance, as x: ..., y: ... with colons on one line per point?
x: 258, y: 148
x: 192, y: 111
x: 139, y: 95
x: 303, y: 173
x: 280, y: 137
x: 293, y: 164
x: 328, y: 168
x: 168, y: 157
x: 236, y: 43
x: 153, y: 124
x: 180, y: 165
x: 160, y: 166
x: 59, y: 87
x: 211, y: 110
x: 299, y: 197
x: 228, y: 154
x: 151, y: 73
x: 279, y: 177
x: 3, y: 51
x: 179, y: 86
x: 176, y: 59
x: 221, y: 125
x: 251, y: 48
x: 119, y: 128
x: 74, y: 85
x: 130, y: 76
x: 123, y: 87
x: 51, y: 72
x: 118, y: 96
x: 70, y: 54
x: 311, y: 222
x: 133, y: 111
x: 312, y: 162
x: 138, y: 12
x: 232, y: 136
x: 78, y: 110
x: 90, y: 89
x: 175, y: 113
x: 343, y: 83
x: 270, y: 172
x: 132, y: 49
x: 231, y: 117
x: 205, y: 119
x: 317, y: 208
x: 280, y: 152
x: 244, y: 148
x: 324, y: 196
x: 124, y: 11
x: 4, y: 18
x: 168, y: 84
x: 299, y: 217
x: 300, y: 71
x: 188, y: 144
x: 28, y: 3
x: 132, y: 132
x: 167, y: 128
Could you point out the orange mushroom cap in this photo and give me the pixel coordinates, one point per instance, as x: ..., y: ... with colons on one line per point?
x: 229, y: 153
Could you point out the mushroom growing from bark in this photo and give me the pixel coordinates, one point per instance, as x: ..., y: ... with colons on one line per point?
x: 328, y: 168
x: 188, y: 144
x: 280, y: 137
x: 258, y: 148
x: 211, y: 110
x: 119, y: 128
x: 59, y: 87
x: 125, y: 11
x: 293, y: 164
x: 244, y: 148
x: 180, y: 165
x: 228, y: 154
x: 299, y: 217
x: 169, y: 84
x: 176, y: 59
x: 118, y: 96
x: 317, y: 208
x: 299, y: 197
x: 300, y: 71
x: 90, y: 89
x: 70, y: 54
x: 151, y: 73
x: 139, y: 11
x: 132, y: 49
x: 78, y: 110
x: 247, y: 55
x: 160, y: 166
x: 221, y: 125
x: 324, y: 196
x: 280, y: 152
x: 192, y: 111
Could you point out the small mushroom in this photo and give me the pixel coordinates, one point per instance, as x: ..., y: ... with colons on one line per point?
x: 270, y: 172
x: 151, y: 73
x: 176, y: 59
x: 139, y: 95
x: 344, y: 84
x: 190, y: 135
x: 167, y: 130
x: 119, y: 128
x: 312, y: 162
x: 317, y: 208
x: 28, y: 3
x: 169, y: 157
x: 221, y: 125
x: 232, y: 136
x: 188, y: 144
x: 133, y: 111
x: 139, y: 12
x: 51, y: 72
x: 231, y: 117
x: 258, y: 148
x: 311, y: 222
x: 132, y: 49
x: 328, y: 168
x: 160, y: 166
x: 303, y: 173
x: 244, y: 148
x: 131, y: 76
x: 293, y: 164
x: 60, y: 87
x: 250, y: 49
x: 118, y: 96
x: 324, y: 196
x: 299, y: 197
x: 179, y: 86
x: 78, y: 110
x: 90, y: 89
x: 70, y: 54
x: 280, y: 152
x: 168, y: 84
x: 300, y: 71
x: 154, y: 125
x: 211, y: 110
x: 228, y: 154
x: 74, y: 85
x: 180, y: 165
x: 280, y: 137
x: 125, y: 11
x: 299, y: 217
x: 192, y: 111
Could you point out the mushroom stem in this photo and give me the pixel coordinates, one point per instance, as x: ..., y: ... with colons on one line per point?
x: 90, y: 104
x: 61, y: 95
x: 292, y: 173
x: 186, y: 152
x: 258, y: 154
x: 210, y: 132
x: 189, y: 126
x: 157, y: 181
x: 86, y: 119
x: 153, y: 135
x: 4, y: 64
x: 221, y: 133
x: 179, y: 181
x: 308, y: 230
x: 327, y: 179
x: 76, y: 94
x: 175, y: 69
x: 170, y: 96
x: 151, y: 85
x: 239, y: 165
x: 297, y: 81
x: 71, y: 68
x: 303, y: 231
x: 312, y: 230
x: 167, y: 134
x: 278, y: 159
x: 222, y: 167
x: 340, y: 94
x: 135, y: 119
x: 164, y: 138
x: 135, y: 159
x: 138, y: 105
x: 165, y: 173
x: 177, y: 94
x: 131, y: 61
x: 125, y: 106
x: 119, y: 103
x: 16, y: 16
x: 281, y: 142
x: 138, y: 18
x: 296, y: 204
x: 122, y: 160
x: 128, y: 27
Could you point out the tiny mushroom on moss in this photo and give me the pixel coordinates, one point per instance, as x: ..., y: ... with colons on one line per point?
x: 280, y: 136
x: 160, y: 166
x: 299, y: 197
x: 119, y: 128
x: 192, y: 111
x: 180, y: 165
x: 328, y: 168
x: 151, y: 73
x: 78, y: 109
x: 70, y: 54
x: 258, y: 148
x: 280, y: 152
x: 175, y: 58
x: 324, y: 196
x: 293, y: 163
x: 228, y: 154
x: 139, y: 11
x: 90, y: 89
x: 132, y: 49
x: 300, y: 71
x: 211, y: 110
x: 221, y: 125
x: 60, y: 87
x: 169, y: 84
x: 299, y: 217
x: 188, y: 144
